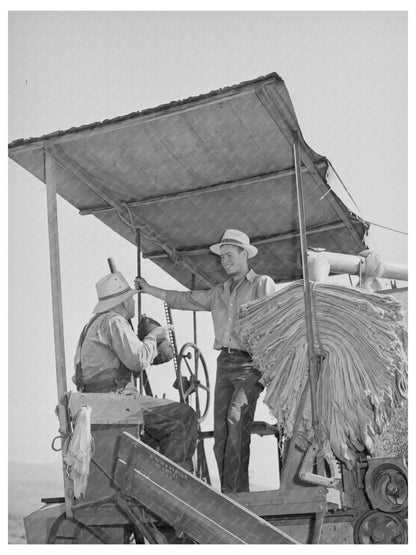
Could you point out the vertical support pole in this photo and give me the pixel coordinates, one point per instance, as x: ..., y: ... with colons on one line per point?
x: 139, y: 299
x: 194, y: 314
x: 58, y: 327
x: 313, y: 348
x: 139, y: 274
x: 314, y: 354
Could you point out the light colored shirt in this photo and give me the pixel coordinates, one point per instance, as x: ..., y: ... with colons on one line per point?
x: 109, y: 341
x: 224, y: 304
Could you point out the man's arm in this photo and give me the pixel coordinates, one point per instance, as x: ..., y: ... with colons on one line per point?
x: 182, y: 300
x: 142, y: 285
x: 136, y: 355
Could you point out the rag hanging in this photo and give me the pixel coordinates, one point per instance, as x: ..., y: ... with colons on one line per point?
x: 79, y: 452
x: 363, y: 376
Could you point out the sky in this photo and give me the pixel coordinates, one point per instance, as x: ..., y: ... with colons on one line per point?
x: 346, y: 73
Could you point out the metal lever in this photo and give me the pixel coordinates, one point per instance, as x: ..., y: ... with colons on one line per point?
x: 306, y: 474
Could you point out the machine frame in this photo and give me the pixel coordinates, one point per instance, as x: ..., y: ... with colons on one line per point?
x: 127, y: 172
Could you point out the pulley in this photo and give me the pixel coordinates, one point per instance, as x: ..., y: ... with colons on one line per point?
x: 382, y: 528
x: 386, y: 484
x: 193, y: 378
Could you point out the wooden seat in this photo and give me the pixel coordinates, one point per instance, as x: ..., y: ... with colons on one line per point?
x: 107, y: 408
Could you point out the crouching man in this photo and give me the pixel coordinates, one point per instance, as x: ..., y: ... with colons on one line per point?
x: 109, y: 353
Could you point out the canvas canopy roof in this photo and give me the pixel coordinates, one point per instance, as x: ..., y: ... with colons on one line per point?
x: 184, y: 172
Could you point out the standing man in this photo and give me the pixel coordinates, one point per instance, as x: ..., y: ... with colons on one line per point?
x: 109, y: 353
x: 237, y: 386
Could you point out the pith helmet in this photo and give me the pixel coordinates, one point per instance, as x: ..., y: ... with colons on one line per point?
x: 112, y: 290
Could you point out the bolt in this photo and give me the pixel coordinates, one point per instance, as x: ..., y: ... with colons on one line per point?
x: 378, y: 535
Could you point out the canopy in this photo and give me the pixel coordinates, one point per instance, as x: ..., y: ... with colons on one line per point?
x: 184, y: 172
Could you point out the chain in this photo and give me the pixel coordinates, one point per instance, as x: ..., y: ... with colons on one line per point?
x: 172, y: 338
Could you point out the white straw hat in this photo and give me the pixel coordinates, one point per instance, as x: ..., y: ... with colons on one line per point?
x: 112, y: 290
x: 236, y: 238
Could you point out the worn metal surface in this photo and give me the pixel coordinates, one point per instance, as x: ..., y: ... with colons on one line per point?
x: 185, y: 171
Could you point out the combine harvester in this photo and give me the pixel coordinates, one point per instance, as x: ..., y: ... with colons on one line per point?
x: 170, y: 180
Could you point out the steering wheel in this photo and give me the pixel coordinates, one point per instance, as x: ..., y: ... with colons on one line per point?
x: 193, y: 378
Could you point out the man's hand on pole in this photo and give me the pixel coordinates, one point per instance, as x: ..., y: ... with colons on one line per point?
x: 141, y: 284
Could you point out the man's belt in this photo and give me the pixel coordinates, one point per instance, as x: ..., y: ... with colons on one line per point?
x: 235, y: 352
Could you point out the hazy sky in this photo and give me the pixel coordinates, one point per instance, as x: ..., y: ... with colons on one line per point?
x: 346, y: 73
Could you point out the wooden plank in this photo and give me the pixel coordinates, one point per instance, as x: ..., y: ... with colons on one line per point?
x: 187, y: 503
x: 58, y: 325
x: 296, y: 501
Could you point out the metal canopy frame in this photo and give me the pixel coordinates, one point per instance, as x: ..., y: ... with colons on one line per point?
x: 216, y: 153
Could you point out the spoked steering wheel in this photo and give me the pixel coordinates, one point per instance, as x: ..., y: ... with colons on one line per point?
x: 194, y: 379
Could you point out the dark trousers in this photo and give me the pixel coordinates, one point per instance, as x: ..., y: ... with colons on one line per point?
x: 236, y: 393
x: 172, y: 426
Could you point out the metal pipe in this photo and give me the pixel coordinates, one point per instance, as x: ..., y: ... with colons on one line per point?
x: 351, y: 264
x: 313, y: 347
x: 139, y: 274
x: 194, y: 314
x: 288, y: 470
x: 139, y: 301
x: 112, y: 265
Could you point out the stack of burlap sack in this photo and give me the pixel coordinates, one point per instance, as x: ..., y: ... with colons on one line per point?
x: 363, y: 377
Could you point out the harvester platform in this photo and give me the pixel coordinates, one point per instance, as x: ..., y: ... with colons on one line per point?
x: 186, y: 503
